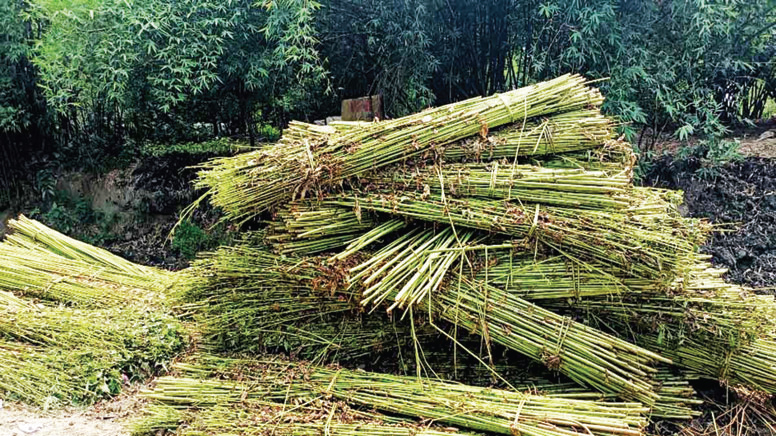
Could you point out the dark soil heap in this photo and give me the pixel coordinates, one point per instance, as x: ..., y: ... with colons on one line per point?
x: 742, y: 198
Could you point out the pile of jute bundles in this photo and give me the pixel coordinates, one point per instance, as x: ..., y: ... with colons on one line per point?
x: 507, y: 221
x: 77, y: 323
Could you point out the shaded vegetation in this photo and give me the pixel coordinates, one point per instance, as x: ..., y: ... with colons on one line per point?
x: 95, y: 84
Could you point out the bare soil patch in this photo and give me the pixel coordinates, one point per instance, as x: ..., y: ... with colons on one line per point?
x: 108, y: 418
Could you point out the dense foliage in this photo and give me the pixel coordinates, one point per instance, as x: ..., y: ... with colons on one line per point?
x: 685, y: 66
x: 156, y: 67
x: 22, y: 109
x: 98, y: 78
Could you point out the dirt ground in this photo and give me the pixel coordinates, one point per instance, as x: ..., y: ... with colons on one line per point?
x: 741, y: 200
x: 759, y: 142
x: 103, y: 419
x: 15, y: 421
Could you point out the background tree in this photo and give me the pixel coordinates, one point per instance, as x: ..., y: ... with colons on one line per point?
x: 380, y: 47
x: 155, y: 68
x: 90, y: 80
x: 23, y: 118
x: 679, y: 66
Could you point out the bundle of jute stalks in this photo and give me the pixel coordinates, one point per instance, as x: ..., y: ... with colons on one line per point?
x: 77, y: 322
x: 677, y: 398
x: 64, y: 356
x: 303, y: 164
x: 718, y: 329
x: 211, y: 381
x: 44, y: 264
x: 315, y: 419
x: 247, y: 299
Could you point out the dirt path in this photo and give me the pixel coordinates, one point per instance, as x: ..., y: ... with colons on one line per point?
x: 760, y: 145
x: 23, y: 422
x: 103, y: 419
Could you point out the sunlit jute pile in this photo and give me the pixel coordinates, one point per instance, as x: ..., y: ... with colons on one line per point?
x: 512, y: 218
x: 391, y: 261
x: 78, y: 323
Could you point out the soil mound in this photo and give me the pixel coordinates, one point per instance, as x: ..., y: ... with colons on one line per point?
x: 741, y: 199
